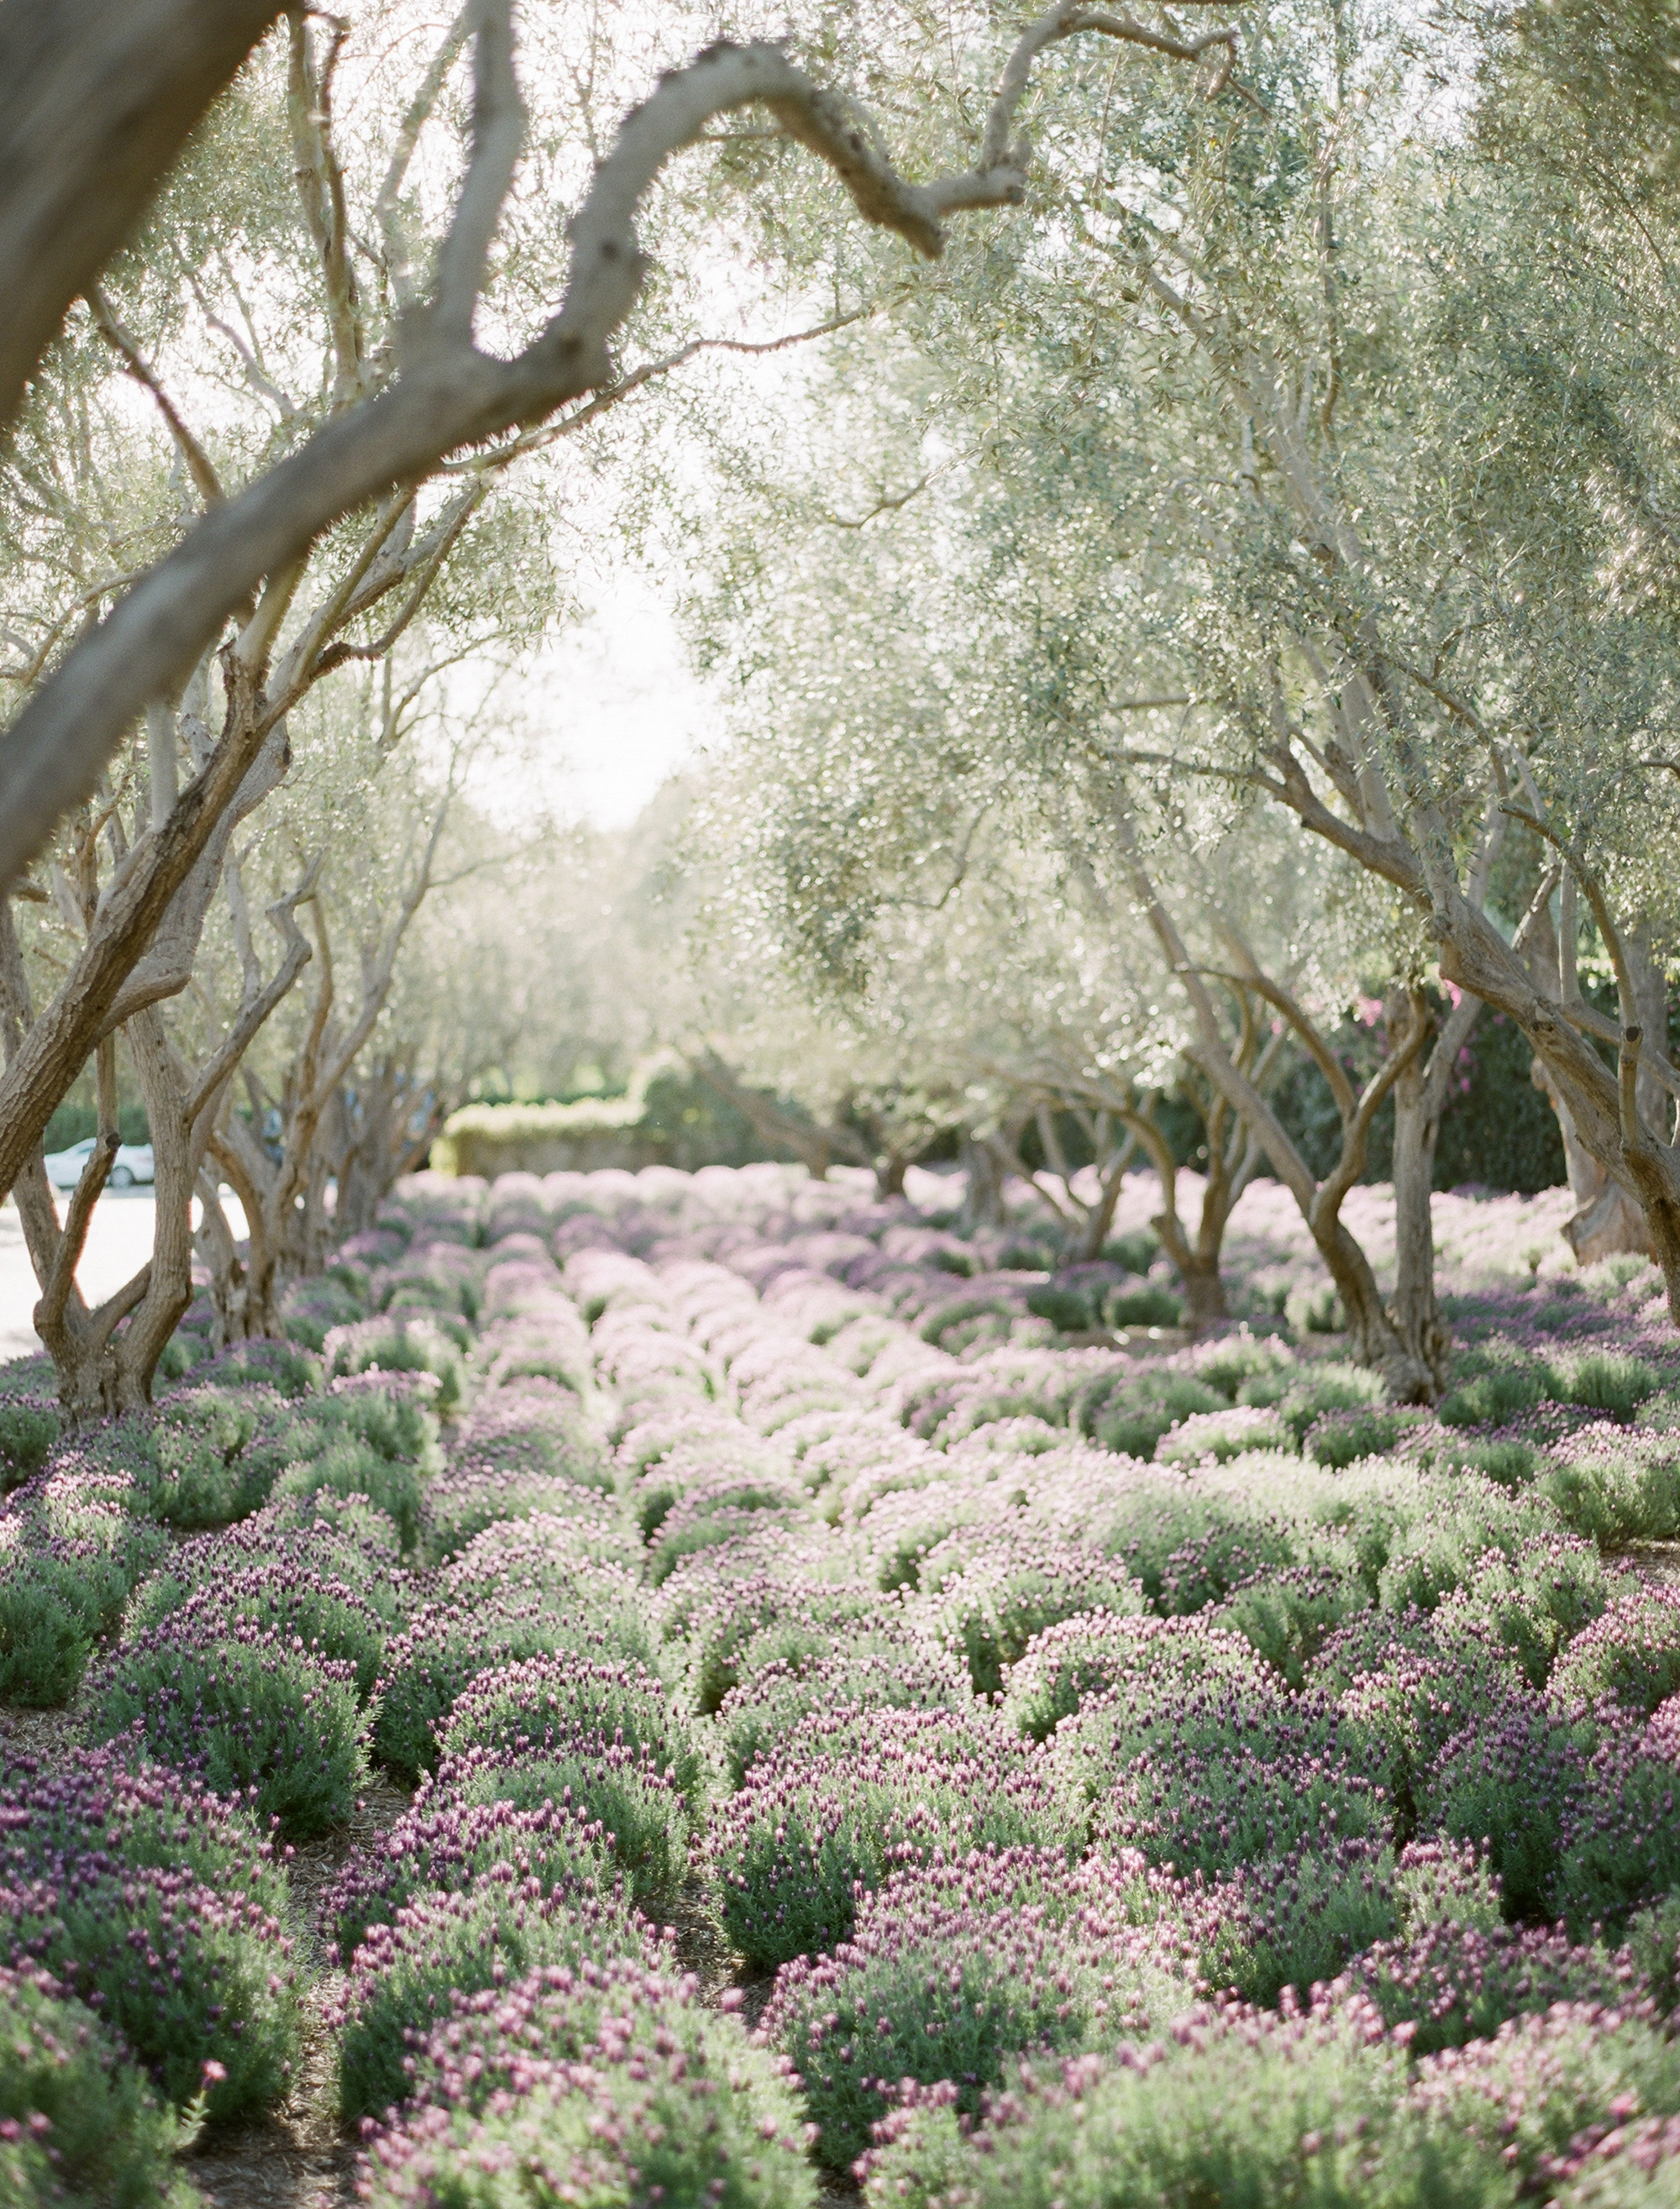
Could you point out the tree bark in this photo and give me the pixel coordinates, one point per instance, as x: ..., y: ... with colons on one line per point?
x: 96, y: 98
x: 982, y: 1186
x: 1420, y: 1099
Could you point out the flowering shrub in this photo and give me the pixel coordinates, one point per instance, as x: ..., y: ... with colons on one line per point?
x: 782, y: 1551
x: 245, y: 1705
x: 1512, y: 1778
x: 554, y: 1560
x: 663, y: 2103
x: 1620, y: 1836
x: 1630, y: 1653
x: 855, y: 1794
x: 1294, y: 1920
x: 404, y: 1976
x: 1529, y: 2093
x: 955, y: 1967
x: 1287, y: 1617
x: 400, y: 1342
x: 349, y: 1466
x: 441, y: 1653
x: 1614, y: 1486
x: 76, y: 2120
x: 1455, y: 1980
x: 1223, y: 1434
x: 566, y: 1701
x: 28, y: 1428
x: 1532, y: 1603
x: 767, y: 1618
x: 535, y: 1426
x: 865, y: 1672
x: 642, y: 1820
x: 344, y: 1538
x: 444, y: 1845
x: 1188, y: 1545
x: 288, y: 1594
x: 189, y: 1462
x: 159, y: 1907
x: 987, y: 1613
x: 1069, y: 1663
x: 68, y: 1557
x: 1130, y: 1415
x: 1406, y: 1683
x: 1228, y: 2110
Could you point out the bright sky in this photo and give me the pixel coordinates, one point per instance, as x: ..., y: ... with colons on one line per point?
x: 614, y: 708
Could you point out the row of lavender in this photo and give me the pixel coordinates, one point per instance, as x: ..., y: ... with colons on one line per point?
x: 1166, y: 1773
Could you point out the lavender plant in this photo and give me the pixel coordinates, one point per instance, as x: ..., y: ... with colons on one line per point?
x: 405, y: 1976
x: 79, y: 2127
x: 854, y: 1795
x: 663, y: 2101
x: 247, y: 1706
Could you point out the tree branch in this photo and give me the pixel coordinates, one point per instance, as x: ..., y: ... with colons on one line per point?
x: 448, y: 396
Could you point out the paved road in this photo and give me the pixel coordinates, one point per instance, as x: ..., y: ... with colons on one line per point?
x: 119, y: 1241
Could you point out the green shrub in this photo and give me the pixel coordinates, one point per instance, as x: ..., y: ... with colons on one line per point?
x: 79, y: 2129
x: 1529, y: 2094
x: 1496, y: 1394
x: 954, y: 1971
x: 68, y: 1559
x: 1247, y: 1368
x: 394, y: 1423
x: 289, y: 1593
x: 870, y: 1672
x: 1137, y: 1251
x: 28, y: 1428
x: 569, y: 1700
x: 1452, y: 1982
x: 827, y: 1814
x: 987, y: 1614
x: 1531, y: 1604
x: 1211, y: 1772
x: 1509, y: 1463
x: 312, y: 1309
x: 643, y: 1819
x: 248, y: 1706
x: 1510, y: 1780
x: 404, y: 1977
x: 1069, y: 1310
x: 1131, y: 1416
x: 1332, y: 1387
x: 1443, y: 1545
x: 1287, y: 1617
x: 1608, y: 1382
x: 1615, y: 1487
x: 1630, y: 1653
x: 1619, y: 1839
x: 443, y: 1845
x: 1070, y: 1665
x: 1295, y: 1920
x: 1189, y: 1545
x: 1232, y: 1431
x: 1298, y: 2114
x: 352, y: 1467
x: 156, y: 1904
x: 1339, y: 1437
x: 399, y: 1342
x: 439, y: 1655
x: 671, y: 2105
x: 189, y: 1460
x: 1151, y: 1304
x: 1314, y: 1308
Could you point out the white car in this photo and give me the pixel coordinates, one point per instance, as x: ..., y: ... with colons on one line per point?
x: 132, y: 1162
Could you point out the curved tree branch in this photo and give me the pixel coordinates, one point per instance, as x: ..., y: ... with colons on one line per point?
x: 447, y: 394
